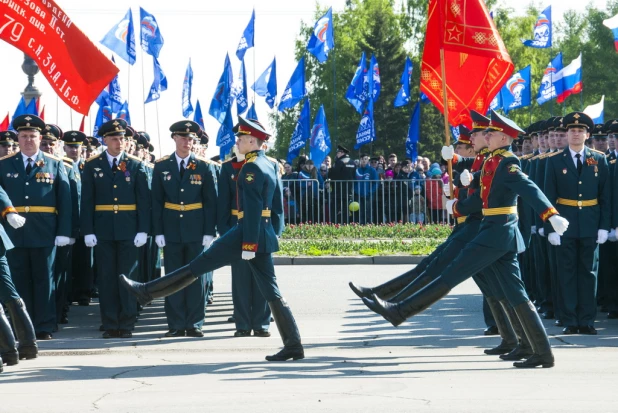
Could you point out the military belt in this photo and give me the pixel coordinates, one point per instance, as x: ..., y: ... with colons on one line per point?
x: 115, y: 208
x: 461, y: 220
x: 265, y: 213
x: 182, y: 207
x: 574, y: 203
x: 499, y: 211
x: 27, y: 209
x: 234, y: 212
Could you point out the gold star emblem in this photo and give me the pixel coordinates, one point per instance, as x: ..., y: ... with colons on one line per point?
x: 188, y: 124
x: 454, y: 34
x: 576, y: 116
x: 28, y: 118
x: 116, y: 123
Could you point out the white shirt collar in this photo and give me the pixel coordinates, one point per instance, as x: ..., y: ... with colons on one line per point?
x: 110, y: 158
x: 178, y: 159
x: 573, y: 153
x: 33, y: 157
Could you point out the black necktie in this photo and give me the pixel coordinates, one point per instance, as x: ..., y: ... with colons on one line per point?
x: 114, y: 166
x: 579, y: 163
x: 29, y: 166
x: 182, y: 168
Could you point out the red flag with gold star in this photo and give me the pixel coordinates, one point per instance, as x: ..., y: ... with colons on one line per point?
x: 477, y: 64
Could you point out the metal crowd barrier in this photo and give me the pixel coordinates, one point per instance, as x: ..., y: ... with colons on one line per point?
x: 364, y: 202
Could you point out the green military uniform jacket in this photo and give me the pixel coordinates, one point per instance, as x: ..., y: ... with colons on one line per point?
x: 184, y: 209
x: 75, y: 183
x: 47, y: 186
x: 227, y: 205
x: 122, y: 199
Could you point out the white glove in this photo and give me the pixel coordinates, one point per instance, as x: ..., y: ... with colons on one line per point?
x: 602, y: 236
x: 207, y: 240
x: 15, y: 220
x: 62, y: 241
x: 542, y: 232
x: 248, y: 255
x: 72, y: 241
x: 533, y: 229
x: 449, y: 205
x: 612, y: 236
x: 90, y: 240
x: 160, y: 241
x: 140, y: 239
x: 465, y: 177
x: 446, y: 188
x: 554, y: 239
x: 559, y: 224
x: 448, y: 153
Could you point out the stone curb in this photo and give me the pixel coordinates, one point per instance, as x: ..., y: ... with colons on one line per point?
x: 380, y: 260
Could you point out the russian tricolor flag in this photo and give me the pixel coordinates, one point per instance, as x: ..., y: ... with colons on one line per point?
x: 612, y: 24
x: 571, y: 79
x: 596, y: 111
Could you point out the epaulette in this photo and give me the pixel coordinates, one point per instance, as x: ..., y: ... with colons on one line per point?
x: 9, y: 156
x: 135, y: 158
x: 149, y: 165
x: 608, y: 155
x: 554, y: 154
x: 594, y: 150
x: 504, y: 153
x: 55, y: 158
x: 92, y: 158
x: 535, y: 157
x: 69, y: 160
x: 208, y: 161
x: 526, y: 157
x: 165, y: 158
x: 613, y: 161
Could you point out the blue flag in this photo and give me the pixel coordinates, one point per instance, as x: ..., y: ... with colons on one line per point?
x: 251, y: 113
x: 221, y: 100
x: 372, y: 83
x: 414, y: 133
x: 104, y: 113
x: 159, y: 83
x: 320, y: 139
x: 187, y: 84
x: 266, y: 85
x: 240, y: 90
x: 355, y: 90
x: 121, y: 39
x: 115, y: 95
x: 301, y: 132
x: 246, y: 41
x: 197, y: 115
x: 454, y: 132
x: 516, y: 92
x: 425, y: 98
x: 151, y: 38
x: 403, y: 97
x: 295, y: 90
x: 496, y: 103
x: 542, y: 31
x: 551, y: 83
x: 23, y: 109
x: 123, y: 113
x: 366, y: 132
x: 225, y: 135
x: 322, y: 40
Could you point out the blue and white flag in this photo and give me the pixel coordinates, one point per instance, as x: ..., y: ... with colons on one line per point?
x: 366, y: 132
x: 187, y: 84
x: 516, y: 93
x: 320, y: 139
x: 414, y: 133
x: 403, y: 97
x: 104, y: 114
x: 225, y: 135
x: 496, y: 103
x: 121, y: 39
x: 23, y: 109
x: 221, y: 100
x: 251, y: 113
x: 354, y: 94
x: 240, y: 90
x: 115, y: 95
x: 295, y: 90
x: 159, y: 83
x: 371, y: 83
x: 247, y: 39
x: 266, y: 84
x: 301, y: 132
x: 151, y: 37
x: 454, y: 132
x: 551, y: 84
x: 596, y: 111
x: 542, y: 31
x: 197, y: 115
x: 123, y: 113
x: 322, y: 40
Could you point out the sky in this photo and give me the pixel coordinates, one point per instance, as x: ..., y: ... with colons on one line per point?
x: 203, y: 31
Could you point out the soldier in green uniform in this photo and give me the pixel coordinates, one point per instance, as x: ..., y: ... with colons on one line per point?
x: 254, y: 239
x: 611, y: 282
x: 184, y: 215
x: 38, y: 186
x: 7, y: 139
x: 115, y: 218
x: 577, y: 181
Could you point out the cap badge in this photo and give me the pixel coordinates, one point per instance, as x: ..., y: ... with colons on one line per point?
x: 576, y: 116
x: 28, y: 118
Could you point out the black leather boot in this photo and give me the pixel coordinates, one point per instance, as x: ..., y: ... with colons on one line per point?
x: 533, y: 327
x: 292, y: 347
x: 161, y: 287
x: 509, y: 338
x: 24, y: 330
x: 523, y: 349
x: 413, y: 287
x: 397, y: 313
x: 388, y: 289
x: 8, y: 347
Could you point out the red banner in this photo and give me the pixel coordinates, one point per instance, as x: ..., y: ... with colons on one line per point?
x: 477, y: 64
x: 72, y: 64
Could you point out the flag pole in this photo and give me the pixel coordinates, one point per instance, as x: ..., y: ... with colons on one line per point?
x: 447, y: 134
x: 143, y: 88
x: 158, y: 130
x: 335, y: 91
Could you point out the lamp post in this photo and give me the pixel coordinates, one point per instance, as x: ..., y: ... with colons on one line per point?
x: 30, y: 68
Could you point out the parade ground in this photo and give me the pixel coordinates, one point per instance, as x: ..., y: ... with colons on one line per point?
x: 355, y: 361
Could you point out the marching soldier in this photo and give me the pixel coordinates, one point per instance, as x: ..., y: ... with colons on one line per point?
x: 184, y: 215
x: 38, y: 186
x: 115, y: 218
x: 577, y: 180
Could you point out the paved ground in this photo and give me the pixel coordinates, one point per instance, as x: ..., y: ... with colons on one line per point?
x: 356, y: 361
